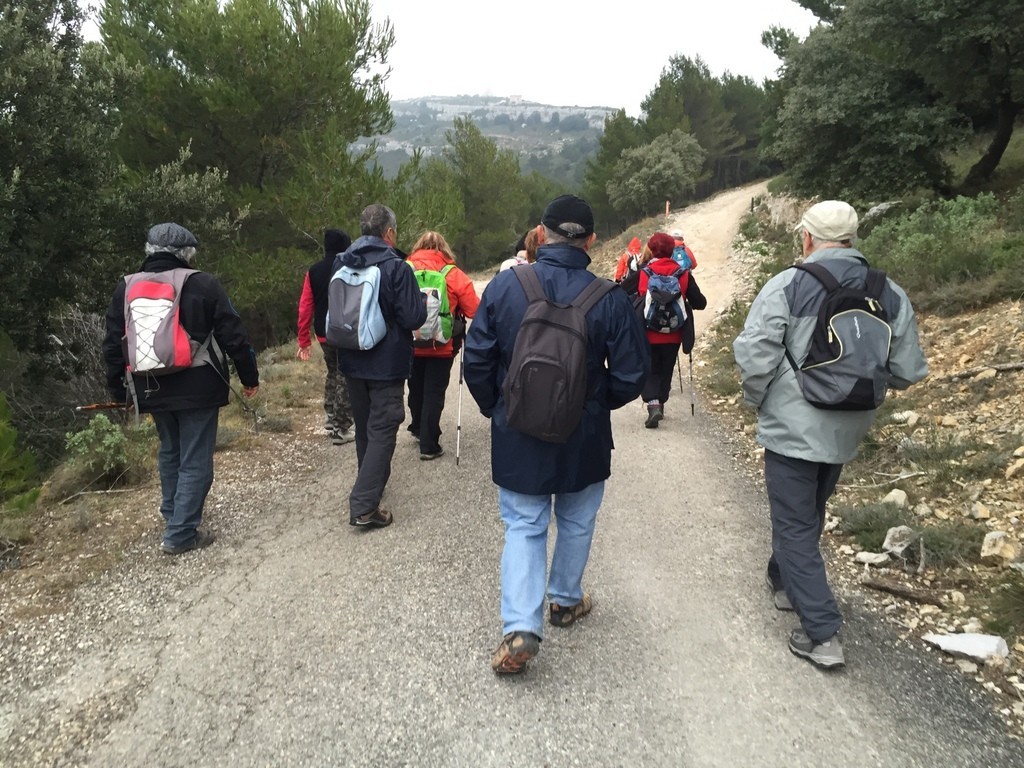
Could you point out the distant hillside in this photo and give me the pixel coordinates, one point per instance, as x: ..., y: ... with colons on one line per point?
x: 549, y: 139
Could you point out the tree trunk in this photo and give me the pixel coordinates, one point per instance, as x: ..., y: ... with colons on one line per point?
x: 983, y: 169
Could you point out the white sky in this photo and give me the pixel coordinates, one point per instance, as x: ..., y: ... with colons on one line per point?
x: 614, y: 56
x: 570, y: 53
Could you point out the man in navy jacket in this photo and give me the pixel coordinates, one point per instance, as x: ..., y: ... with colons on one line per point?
x: 376, y: 377
x: 533, y: 475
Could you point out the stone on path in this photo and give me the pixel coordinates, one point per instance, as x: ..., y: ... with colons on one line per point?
x: 970, y: 645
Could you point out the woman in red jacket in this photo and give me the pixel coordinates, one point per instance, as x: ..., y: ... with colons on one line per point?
x: 665, y: 346
x: 432, y: 362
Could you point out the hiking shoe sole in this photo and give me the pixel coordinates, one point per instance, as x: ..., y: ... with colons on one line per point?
x: 826, y: 655
x: 431, y: 456
x: 341, y: 438
x: 515, y: 650
x: 560, y: 616
x: 202, y: 540
x: 379, y: 518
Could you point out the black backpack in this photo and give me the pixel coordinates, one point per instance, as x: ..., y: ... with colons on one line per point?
x: 847, y: 366
x: 546, y: 385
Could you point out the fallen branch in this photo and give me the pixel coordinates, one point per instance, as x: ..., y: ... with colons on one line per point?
x: 109, y: 490
x: 895, y: 479
x: 901, y: 590
x: 970, y: 373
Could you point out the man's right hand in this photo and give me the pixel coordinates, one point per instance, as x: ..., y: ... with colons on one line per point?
x: 250, y: 391
x: 303, y: 353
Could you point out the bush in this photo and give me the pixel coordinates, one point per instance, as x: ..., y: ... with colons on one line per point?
x: 1008, y: 604
x: 869, y: 524
x: 953, y: 255
x: 105, y: 451
x: 17, y: 467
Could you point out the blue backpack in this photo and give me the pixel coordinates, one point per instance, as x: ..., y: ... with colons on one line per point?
x: 681, y: 257
x: 664, y: 310
x: 354, y: 317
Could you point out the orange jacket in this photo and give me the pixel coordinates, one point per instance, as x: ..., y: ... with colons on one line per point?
x: 462, y: 298
x: 632, y: 252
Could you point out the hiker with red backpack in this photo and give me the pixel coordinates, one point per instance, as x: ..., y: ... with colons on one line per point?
x: 313, y: 314
x: 629, y: 261
x: 552, y: 351
x: 434, y: 351
x: 169, y: 327
x: 670, y: 294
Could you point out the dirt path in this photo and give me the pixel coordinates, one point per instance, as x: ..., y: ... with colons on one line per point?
x: 710, y: 228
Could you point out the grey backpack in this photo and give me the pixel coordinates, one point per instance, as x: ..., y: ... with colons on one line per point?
x: 546, y: 385
x: 847, y: 366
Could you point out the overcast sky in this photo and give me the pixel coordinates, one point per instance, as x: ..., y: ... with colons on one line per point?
x: 569, y: 52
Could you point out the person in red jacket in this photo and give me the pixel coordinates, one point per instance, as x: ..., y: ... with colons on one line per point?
x: 432, y: 365
x: 629, y: 261
x: 665, y: 346
x: 313, y: 313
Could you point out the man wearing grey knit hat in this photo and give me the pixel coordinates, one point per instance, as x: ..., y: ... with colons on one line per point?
x: 169, y: 330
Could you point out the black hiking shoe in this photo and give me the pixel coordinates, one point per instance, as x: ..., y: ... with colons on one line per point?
x: 431, y: 455
x: 563, y: 616
x: 779, y: 596
x: 515, y: 650
x: 201, y: 540
x: 655, y: 413
x: 379, y: 518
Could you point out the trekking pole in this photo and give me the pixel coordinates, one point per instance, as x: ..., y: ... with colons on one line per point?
x: 690, y: 355
x: 458, y: 421
x: 679, y: 368
x: 100, y: 406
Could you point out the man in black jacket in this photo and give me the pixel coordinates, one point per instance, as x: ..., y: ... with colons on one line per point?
x: 313, y: 312
x: 184, y: 404
x: 376, y: 377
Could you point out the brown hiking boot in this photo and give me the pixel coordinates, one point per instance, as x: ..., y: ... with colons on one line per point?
x: 563, y: 616
x: 515, y: 650
x: 379, y: 518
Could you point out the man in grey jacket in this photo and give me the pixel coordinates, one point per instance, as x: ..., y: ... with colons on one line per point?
x: 806, y: 446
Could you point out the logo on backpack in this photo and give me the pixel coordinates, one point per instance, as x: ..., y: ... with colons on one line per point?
x: 664, y: 308
x: 546, y: 385
x: 437, y: 329
x: 155, y: 341
x: 354, y: 317
x: 847, y: 366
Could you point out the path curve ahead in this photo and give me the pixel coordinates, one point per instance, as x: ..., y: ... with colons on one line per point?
x: 298, y: 641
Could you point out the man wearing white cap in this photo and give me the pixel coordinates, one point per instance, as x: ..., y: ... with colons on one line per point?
x: 807, y: 444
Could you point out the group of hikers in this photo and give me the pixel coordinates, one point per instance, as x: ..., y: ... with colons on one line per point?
x: 551, y: 350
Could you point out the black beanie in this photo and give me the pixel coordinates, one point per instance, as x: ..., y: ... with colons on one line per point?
x: 336, y: 241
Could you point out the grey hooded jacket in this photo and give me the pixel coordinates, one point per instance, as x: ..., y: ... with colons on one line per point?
x: 783, y: 316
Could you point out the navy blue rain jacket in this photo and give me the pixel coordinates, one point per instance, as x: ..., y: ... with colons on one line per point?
x: 618, y: 364
x: 402, y: 305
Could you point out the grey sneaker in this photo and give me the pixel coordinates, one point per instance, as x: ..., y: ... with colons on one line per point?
x: 827, y: 654
x: 779, y: 596
x: 340, y: 437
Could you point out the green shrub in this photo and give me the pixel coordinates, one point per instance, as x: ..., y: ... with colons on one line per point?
x: 868, y: 524
x: 1007, y: 604
x: 108, y: 452
x: 951, y: 543
x: 17, y: 467
x: 15, y: 517
x: 952, y: 255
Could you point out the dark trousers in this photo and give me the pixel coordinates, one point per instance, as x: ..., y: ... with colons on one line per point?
x: 797, y: 493
x: 663, y: 366
x: 378, y: 411
x: 427, y: 387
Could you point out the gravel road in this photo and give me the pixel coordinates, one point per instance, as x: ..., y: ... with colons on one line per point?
x: 296, y: 640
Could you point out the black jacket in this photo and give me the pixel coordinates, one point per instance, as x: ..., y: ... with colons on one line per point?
x: 205, y: 307
x: 320, y: 275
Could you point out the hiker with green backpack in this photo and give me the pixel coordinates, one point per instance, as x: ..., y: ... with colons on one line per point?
x: 450, y: 298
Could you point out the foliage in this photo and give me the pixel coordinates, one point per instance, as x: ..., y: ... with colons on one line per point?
x: 493, y: 195
x: 56, y: 154
x: 17, y: 467
x: 646, y: 176
x: 621, y: 132
x: 868, y: 524
x: 1007, y: 603
x: 105, y: 451
x: 852, y: 126
x: 952, y: 255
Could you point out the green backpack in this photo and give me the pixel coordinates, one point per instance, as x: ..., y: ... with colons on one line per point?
x: 437, y: 330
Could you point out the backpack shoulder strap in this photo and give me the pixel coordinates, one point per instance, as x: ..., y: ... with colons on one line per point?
x: 531, y: 285
x: 875, y: 283
x: 592, y: 294
x: 446, y: 269
x: 821, y: 273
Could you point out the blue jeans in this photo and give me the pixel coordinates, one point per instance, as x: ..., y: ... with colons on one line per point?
x: 187, y: 440
x: 524, y: 559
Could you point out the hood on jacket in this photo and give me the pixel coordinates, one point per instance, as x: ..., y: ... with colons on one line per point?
x: 368, y: 250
